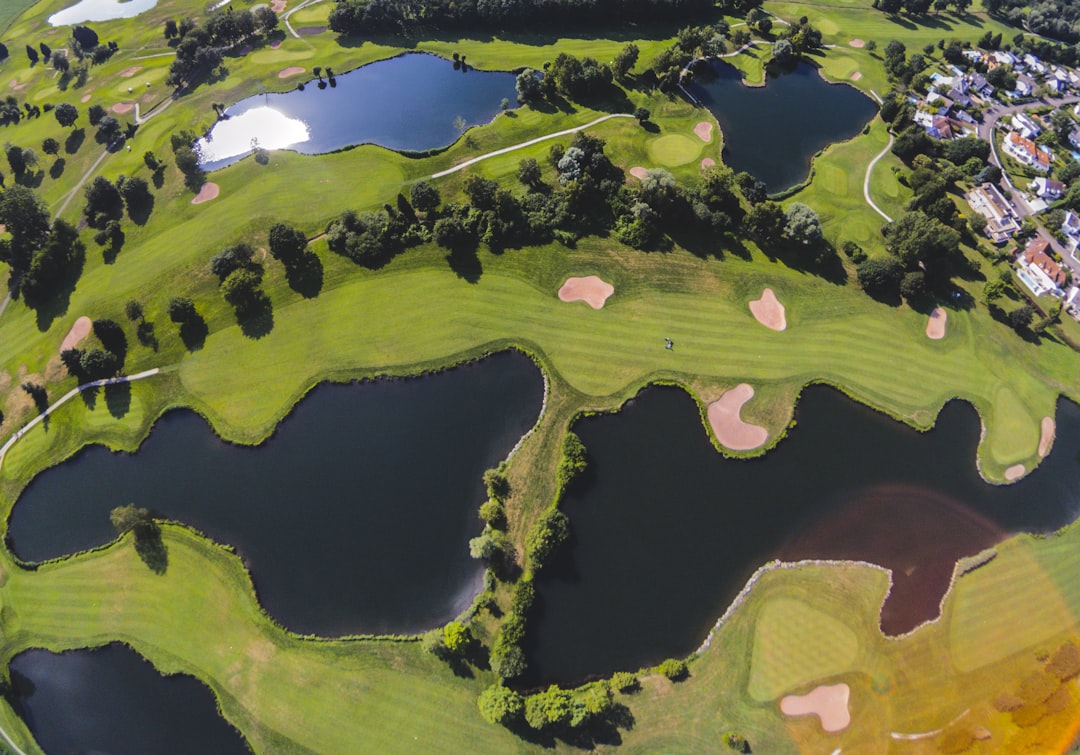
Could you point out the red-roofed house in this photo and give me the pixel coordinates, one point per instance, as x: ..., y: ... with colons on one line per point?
x: 1025, y: 151
x: 1039, y: 272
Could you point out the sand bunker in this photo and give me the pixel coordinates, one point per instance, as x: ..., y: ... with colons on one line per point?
x: 1047, y: 438
x: 769, y: 311
x: 285, y: 73
x: 704, y: 131
x: 707, y: 162
x: 277, y: 6
x: 208, y: 191
x: 1015, y: 472
x: 308, y: 30
x: 638, y: 172
x: 728, y: 427
x: 589, y: 289
x: 935, y: 326
x: 85, y: 98
x: 127, y: 73
x: 275, y: 44
x: 828, y: 703
x: 122, y: 107
x: 79, y: 331
x: 856, y: 76
x: 857, y: 43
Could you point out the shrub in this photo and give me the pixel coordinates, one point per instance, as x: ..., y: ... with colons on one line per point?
x: 493, y: 513
x: 500, y: 705
x: 550, y: 531
x: 624, y: 681
x: 674, y: 669
x: 573, y: 459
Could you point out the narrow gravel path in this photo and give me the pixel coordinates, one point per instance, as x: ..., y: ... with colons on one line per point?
x: 866, y: 180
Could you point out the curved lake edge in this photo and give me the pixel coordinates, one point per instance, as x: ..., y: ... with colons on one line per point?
x: 465, y: 604
x: 407, y: 153
x: 164, y: 674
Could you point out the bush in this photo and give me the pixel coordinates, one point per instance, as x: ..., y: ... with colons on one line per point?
x: 500, y: 705
x: 674, y: 669
x: 624, y: 682
x: 493, y: 513
x: 573, y: 459
x: 549, y: 533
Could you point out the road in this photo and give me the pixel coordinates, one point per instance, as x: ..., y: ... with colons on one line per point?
x: 990, y: 120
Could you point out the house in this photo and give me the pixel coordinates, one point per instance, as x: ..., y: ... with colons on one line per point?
x: 1026, y: 125
x: 1032, y: 63
x: 1055, y: 85
x: 1043, y: 275
x: 980, y: 85
x: 940, y: 128
x: 1004, y: 58
x: 940, y: 102
x: 1024, y: 151
x: 1070, y: 226
x: 1001, y: 221
x: 1025, y: 85
x: 958, y: 97
x: 1047, y: 188
x: 1074, y: 138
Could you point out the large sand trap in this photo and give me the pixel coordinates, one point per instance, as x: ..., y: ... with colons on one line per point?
x: 729, y: 428
x: 704, y: 131
x: 707, y: 162
x: 1015, y: 472
x: 208, y: 191
x: 127, y: 73
x: 277, y: 6
x: 79, y: 331
x: 1047, y: 438
x: 589, y: 289
x: 828, y: 703
x: 122, y: 107
x: 857, y: 43
x: 769, y: 311
x: 638, y: 172
x: 856, y: 76
x: 285, y: 73
x: 935, y: 326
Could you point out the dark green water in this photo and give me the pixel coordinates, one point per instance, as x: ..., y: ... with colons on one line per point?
x: 666, y: 531
x: 354, y: 517
x: 111, y: 700
x: 773, y: 131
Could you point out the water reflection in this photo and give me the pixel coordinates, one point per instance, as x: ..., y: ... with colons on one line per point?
x: 100, y: 10
x: 262, y: 127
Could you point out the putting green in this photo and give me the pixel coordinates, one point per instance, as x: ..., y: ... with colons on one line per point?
x: 795, y: 644
x: 673, y: 150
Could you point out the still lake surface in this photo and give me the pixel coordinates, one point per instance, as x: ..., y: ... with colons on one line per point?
x: 354, y: 517
x: 666, y: 531
x: 112, y: 700
x: 99, y: 10
x: 772, y: 132
x: 411, y: 102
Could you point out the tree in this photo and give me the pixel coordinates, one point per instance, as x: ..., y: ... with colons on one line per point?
x: 528, y: 87
x: 457, y: 638
x: 108, y: 128
x: 16, y: 159
x: 99, y: 363
x: 1020, y: 318
x: 674, y: 669
x: 913, y: 285
x: 136, y: 193
x: 50, y: 146
x: 642, y: 114
x: 877, y: 274
x: 624, y: 61
x: 60, y: 61
x: 1062, y: 124
x: 32, y: 54
x: 424, y: 197
x: 783, y: 51
x: 66, y: 113
x: 3, y: 56
x: 916, y: 237
x: 548, y: 709
x: 500, y: 705
x: 286, y: 243
x: 133, y: 310
x: 27, y: 221
x: 766, y: 220
x: 181, y: 310
x: 103, y: 202
x: 993, y: 290
x: 528, y: 172
x: 230, y: 259
x: 802, y: 224
x: 241, y: 288
x: 95, y: 114
x: 171, y: 29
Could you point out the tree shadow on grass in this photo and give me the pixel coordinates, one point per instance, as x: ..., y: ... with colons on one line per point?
x: 257, y: 319
x: 118, y: 399
x: 57, y: 304
x: 74, y: 140
x: 193, y: 333
x: 305, y: 276
x: 57, y: 168
x: 89, y: 396
x: 151, y: 548
x: 466, y: 264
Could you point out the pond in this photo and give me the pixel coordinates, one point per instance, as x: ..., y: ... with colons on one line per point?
x: 112, y: 700
x: 413, y: 102
x: 100, y: 10
x: 772, y: 132
x: 354, y: 517
x: 666, y: 531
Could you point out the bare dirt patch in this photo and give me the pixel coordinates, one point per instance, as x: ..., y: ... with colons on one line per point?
x: 638, y: 172
x: 54, y: 370
x: 828, y: 703
x: 590, y: 289
x: 769, y: 311
x: 704, y: 131
x: 856, y: 76
x: 14, y: 84
x: 935, y: 326
x: 79, y: 330
x: 127, y: 73
x: 1015, y: 472
x: 707, y: 162
x: 857, y: 43
x: 285, y: 73
x: 122, y: 107
x: 729, y: 427
x: 1046, y: 440
x: 209, y: 190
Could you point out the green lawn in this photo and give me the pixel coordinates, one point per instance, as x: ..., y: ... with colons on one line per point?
x: 292, y: 694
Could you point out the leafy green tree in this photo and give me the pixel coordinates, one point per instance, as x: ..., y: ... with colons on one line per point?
x: 424, y: 197
x: 181, y: 310
x: 241, y: 288
x: 103, y: 202
x: 50, y: 146
x: 674, y: 669
x: 66, y: 114
x: 549, y: 532
x: 913, y: 285
x: 130, y: 517
x: 915, y: 237
x: 625, y: 60
x: 879, y: 274
x: 766, y: 221
x: 95, y: 114
x: 549, y: 709
x: 802, y: 224
x: 624, y: 681
x: 528, y: 87
x: 99, y: 363
x: 286, y: 243
x: 27, y: 221
x: 501, y: 705
x: 457, y: 638
x: 642, y: 114
x: 783, y: 51
x: 231, y: 259
x: 1021, y: 317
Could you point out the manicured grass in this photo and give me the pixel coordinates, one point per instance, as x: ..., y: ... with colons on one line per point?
x: 674, y: 149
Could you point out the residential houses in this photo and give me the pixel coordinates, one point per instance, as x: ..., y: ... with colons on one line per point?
x: 1001, y: 220
x: 1026, y: 125
x: 1027, y: 152
x: 1047, y: 188
x: 1040, y: 273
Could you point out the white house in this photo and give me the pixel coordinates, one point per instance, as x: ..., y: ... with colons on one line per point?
x: 1039, y: 272
x: 1001, y: 221
x: 1070, y: 226
x: 1025, y: 151
x: 1026, y: 125
x: 1047, y: 188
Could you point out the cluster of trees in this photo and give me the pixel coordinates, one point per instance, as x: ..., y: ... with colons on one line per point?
x: 1059, y: 19
x: 43, y: 255
x: 199, y: 49
x: 922, y: 252
x: 240, y: 280
x: 493, y: 544
x: 187, y: 159
x: 11, y: 112
x: 921, y: 7
x: 140, y: 522
x: 97, y: 363
x: 105, y: 203
x: 691, y: 42
x: 395, y: 17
